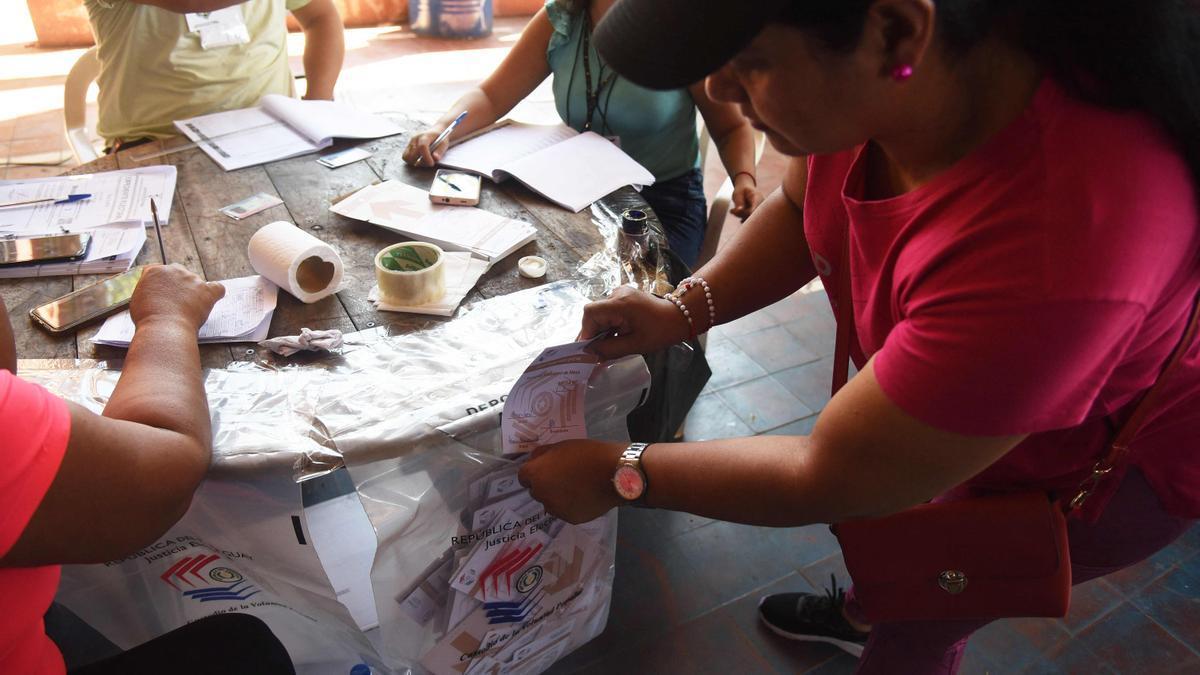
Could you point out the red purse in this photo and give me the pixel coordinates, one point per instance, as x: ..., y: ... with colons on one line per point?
x: 975, y: 558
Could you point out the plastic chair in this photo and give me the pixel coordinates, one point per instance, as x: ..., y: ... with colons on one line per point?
x: 82, y: 74
x: 721, y: 202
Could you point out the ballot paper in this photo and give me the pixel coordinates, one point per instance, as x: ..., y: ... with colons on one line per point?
x: 546, y: 404
x: 113, y: 249
x: 462, y: 272
x: 243, y: 315
x: 116, y: 196
x: 406, y: 209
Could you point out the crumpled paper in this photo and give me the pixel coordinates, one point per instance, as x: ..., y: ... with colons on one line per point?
x: 307, y: 340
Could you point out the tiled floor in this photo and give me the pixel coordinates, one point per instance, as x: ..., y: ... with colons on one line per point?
x: 687, y: 587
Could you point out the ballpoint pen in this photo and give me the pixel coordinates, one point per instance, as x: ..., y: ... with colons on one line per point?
x: 66, y: 199
x: 162, y: 251
x: 444, y: 135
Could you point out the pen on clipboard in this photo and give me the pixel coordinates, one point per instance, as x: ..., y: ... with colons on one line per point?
x: 445, y: 134
x: 65, y: 199
x: 162, y: 251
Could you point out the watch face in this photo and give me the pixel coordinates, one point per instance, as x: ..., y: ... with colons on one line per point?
x: 628, y: 482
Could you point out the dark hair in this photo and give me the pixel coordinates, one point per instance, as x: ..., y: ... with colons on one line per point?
x: 1130, y: 54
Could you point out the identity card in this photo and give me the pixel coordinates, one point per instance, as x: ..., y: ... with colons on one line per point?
x: 251, y: 205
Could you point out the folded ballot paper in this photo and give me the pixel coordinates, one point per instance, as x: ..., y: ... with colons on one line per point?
x: 243, y: 315
x: 278, y: 128
x: 406, y: 209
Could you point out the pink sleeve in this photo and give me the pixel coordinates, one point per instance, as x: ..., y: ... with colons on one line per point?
x: 994, y: 369
x: 36, y: 427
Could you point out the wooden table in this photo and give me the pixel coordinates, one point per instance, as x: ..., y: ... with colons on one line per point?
x: 213, y: 245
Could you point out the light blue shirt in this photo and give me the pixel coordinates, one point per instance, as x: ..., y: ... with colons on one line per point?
x: 656, y: 128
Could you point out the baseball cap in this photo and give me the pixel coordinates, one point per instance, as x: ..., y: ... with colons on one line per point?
x: 666, y: 44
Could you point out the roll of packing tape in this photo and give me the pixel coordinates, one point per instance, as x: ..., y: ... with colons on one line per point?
x: 410, y: 273
x: 532, y: 267
x: 296, y: 261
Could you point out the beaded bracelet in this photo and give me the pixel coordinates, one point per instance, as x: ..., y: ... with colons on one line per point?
x: 686, y: 314
x: 690, y: 283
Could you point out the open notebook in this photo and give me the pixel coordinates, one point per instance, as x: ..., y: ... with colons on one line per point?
x: 569, y: 168
x: 278, y: 128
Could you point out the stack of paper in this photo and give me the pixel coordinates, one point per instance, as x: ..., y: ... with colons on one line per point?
x: 568, y: 168
x: 113, y: 249
x: 278, y: 128
x: 243, y: 315
x: 407, y: 210
x: 115, y: 211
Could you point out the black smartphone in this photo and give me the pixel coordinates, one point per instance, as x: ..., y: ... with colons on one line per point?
x: 43, y: 248
x: 90, y: 302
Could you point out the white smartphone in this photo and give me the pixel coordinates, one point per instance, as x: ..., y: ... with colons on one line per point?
x: 454, y: 187
x: 87, y: 303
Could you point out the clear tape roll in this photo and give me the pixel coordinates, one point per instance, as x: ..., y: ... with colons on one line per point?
x: 296, y: 261
x: 421, y: 280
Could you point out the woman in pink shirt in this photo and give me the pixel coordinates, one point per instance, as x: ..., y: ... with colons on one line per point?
x: 1018, y: 185
x: 77, y: 487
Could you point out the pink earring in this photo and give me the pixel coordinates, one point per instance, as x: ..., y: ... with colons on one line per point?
x: 902, y: 72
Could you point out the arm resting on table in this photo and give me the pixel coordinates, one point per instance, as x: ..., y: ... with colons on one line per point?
x: 128, y: 475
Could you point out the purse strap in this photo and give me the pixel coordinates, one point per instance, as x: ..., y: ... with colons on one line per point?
x: 1118, y: 453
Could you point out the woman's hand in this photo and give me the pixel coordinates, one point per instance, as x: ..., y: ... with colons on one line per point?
x: 171, y: 291
x: 642, y: 322
x: 746, y: 196
x: 573, y: 479
x: 418, y: 152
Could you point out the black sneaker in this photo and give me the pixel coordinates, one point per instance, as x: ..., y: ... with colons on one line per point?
x: 812, y: 618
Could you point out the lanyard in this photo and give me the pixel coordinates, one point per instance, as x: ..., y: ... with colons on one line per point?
x: 593, y: 95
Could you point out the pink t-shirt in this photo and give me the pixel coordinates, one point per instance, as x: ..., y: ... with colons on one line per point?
x: 1036, y: 287
x: 36, y: 426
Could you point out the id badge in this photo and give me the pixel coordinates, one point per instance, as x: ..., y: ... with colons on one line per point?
x: 220, y: 28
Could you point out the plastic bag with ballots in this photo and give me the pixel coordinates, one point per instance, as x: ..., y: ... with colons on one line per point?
x: 437, y: 562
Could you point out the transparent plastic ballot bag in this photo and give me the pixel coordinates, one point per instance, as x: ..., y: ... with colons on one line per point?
x: 437, y: 560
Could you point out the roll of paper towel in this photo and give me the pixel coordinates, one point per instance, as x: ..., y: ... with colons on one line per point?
x: 296, y: 261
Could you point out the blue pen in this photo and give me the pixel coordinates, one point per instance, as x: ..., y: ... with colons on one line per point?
x: 449, y: 130
x: 55, y: 200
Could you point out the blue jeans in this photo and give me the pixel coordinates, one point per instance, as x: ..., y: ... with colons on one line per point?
x: 683, y: 211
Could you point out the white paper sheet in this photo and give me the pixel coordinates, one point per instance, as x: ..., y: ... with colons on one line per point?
x: 116, y: 196
x: 491, y: 151
x: 578, y: 171
x: 243, y: 315
x: 406, y: 209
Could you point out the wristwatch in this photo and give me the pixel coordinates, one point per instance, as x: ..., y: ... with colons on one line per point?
x: 629, y: 479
